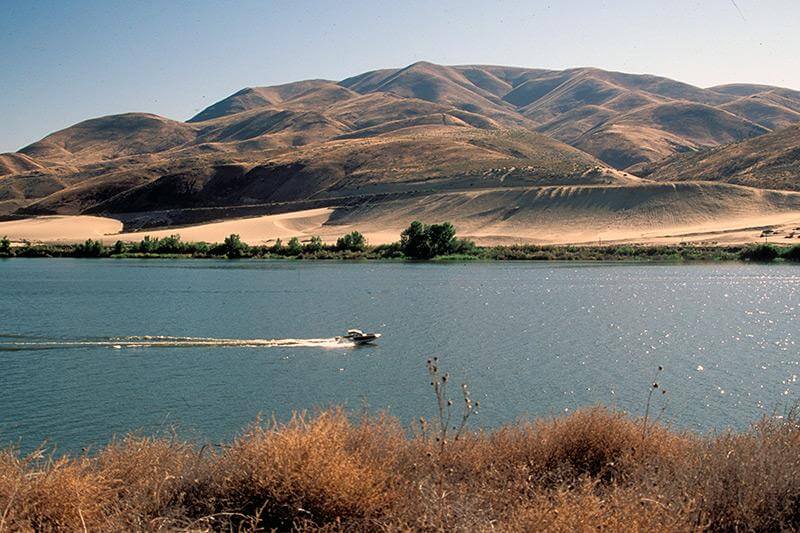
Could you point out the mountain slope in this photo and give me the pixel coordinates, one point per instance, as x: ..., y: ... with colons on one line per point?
x: 254, y: 97
x: 412, y: 161
x: 771, y: 161
x: 656, y: 131
x: 503, y: 150
x: 17, y: 163
x: 110, y: 137
x: 604, y: 113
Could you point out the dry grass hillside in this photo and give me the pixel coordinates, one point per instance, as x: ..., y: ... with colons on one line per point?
x: 414, y: 161
x: 400, y: 135
x: 769, y: 161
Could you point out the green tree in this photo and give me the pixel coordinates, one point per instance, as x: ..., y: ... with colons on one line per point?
x: 5, y: 247
x: 148, y: 245
x: 441, y: 237
x: 414, y: 241
x: 420, y: 241
x: 119, y: 248
x: 170, y: 245
x: 200, y: 249
x: 353, y: 242
x: 234, y: 247
x: 277, y: 247
x: 294, y: 247
x: 314, y: 245
x: 763, y: 253
x: 90, y: 248
x: 792, y: 253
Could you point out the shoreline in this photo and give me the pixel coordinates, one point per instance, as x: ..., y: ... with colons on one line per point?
x: 668, y: 254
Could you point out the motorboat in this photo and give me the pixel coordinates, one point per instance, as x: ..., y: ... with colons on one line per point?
x: 358, y: 337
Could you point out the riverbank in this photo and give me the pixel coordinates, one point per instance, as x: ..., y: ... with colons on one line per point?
x: 233, y: 248
x: 595, y: 468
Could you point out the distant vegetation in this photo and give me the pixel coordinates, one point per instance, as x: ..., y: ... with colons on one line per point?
x: 418, y: 242
x: 5, y: 247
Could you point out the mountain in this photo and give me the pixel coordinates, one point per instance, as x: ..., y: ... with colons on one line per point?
x: 111, y: 137
x: 402, y: 137
x: 623, y: 119
x: 412, y: 161
x: 771, y: 161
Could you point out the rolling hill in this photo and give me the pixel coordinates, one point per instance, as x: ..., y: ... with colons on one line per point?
x: 769, y: 161
x: 397, y: 137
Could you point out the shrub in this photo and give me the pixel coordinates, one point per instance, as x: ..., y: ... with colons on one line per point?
x: 5, y: 247
x: 792, y: 253
x: 420, y: 241
x: 90, y: 248
x: 170, y: 245
x: 314, y: 245
x: 764, y: 253
x: 234, y: 247
x: 353, y: 242
x: 294, y: 247
x: 388, y: 251
x: 277, y: 248
x: 148, y: 245
x: 119, y: 248
x: 200, y: 249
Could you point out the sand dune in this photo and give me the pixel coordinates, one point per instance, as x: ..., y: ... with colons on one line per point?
x: 643, y: 213
x: 60, y: 229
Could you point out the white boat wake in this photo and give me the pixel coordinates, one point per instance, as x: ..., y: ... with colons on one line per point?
x: 8, y: 342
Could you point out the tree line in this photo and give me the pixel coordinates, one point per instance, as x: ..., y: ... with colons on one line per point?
x: 418, y: 241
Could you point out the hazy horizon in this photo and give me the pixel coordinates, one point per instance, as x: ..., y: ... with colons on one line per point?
x: 67, y: 63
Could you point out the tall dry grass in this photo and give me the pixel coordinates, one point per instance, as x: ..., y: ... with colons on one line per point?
x: 593, y: 469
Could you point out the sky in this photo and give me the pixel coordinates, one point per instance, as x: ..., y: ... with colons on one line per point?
x: 64, y: 61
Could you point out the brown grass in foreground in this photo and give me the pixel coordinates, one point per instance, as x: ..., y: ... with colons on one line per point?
x: 593, y: 469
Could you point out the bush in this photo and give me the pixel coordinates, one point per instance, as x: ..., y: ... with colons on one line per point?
x: 90, y: 248
x: 764, y: 253
x: 353, y: 242
x: 148, y: 245
x: 420, y: 241
x: 792, y: 253
x: 119, y: 248
x: 200, y: 249
x: 294, y: 247
x: 170, y: 245
x: 314, y: 245
x: 388, y: 251
x: 594, y: 469
x: 5, y: 247
x: 234, y: 247
x: 277, y: 248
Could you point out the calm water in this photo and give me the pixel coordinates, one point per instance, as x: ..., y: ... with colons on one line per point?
x: 530, y: 338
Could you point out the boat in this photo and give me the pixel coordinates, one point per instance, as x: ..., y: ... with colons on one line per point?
x: 358, y: 337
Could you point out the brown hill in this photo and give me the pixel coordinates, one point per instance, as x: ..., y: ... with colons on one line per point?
x: 253, y: 97
x: 17, y: 163
x: 771, y: 161
x: 111, y: 137
x: 412, y: 161
x: 656, y: 131
x: 586, y: 107
x: 400, y: 138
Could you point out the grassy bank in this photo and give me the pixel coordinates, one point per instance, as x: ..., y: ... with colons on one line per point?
x: 592, y: 469
x: 314, y: 249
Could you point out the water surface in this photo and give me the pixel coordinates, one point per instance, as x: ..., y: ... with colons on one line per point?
x: 88, y: 347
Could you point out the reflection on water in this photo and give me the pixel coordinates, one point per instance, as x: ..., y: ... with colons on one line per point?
x: 88, y: 348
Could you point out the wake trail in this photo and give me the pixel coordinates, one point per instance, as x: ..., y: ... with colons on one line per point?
x: 14, y: 343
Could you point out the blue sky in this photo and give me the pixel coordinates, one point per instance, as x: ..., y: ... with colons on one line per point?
x: 65, y: 61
